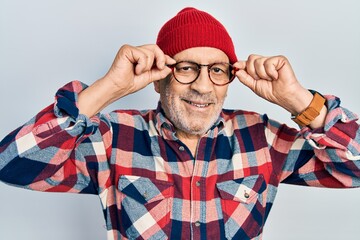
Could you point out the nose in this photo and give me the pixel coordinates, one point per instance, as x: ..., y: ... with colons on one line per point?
x: 203, y: 83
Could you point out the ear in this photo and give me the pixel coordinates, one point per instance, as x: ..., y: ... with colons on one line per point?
x: 157, y: 86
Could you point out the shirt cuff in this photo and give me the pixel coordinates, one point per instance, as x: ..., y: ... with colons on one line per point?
x: 340, y: 130
x: 66, y: 108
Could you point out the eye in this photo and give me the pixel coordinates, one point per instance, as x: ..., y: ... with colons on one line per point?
x: 185, y: 67
x: 219, y: 69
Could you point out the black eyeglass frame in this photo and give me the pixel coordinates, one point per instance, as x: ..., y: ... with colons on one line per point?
x: 232, y: 72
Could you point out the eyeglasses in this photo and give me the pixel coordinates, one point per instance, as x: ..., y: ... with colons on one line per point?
x: 187, y: 72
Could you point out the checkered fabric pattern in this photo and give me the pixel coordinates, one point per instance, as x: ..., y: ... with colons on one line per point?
x: 152, y: 187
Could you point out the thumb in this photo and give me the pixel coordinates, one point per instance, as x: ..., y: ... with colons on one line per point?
x: 246, y: 79
x: 159, y: 74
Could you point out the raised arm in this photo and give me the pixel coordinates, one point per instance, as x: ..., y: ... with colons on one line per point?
x: 273, y: 79
x: 50, y: 152
x: 133, y: 69
x: 326, y: 152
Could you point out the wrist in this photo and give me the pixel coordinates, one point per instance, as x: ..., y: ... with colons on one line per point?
x: 312, y: 111
x: 296, y: 101
x: 299, y: 101
x: 96, y: 97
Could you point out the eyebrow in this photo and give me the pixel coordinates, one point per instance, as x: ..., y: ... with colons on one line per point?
x: 211, y: 62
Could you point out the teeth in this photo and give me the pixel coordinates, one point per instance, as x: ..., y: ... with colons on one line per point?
x: 198, y: 105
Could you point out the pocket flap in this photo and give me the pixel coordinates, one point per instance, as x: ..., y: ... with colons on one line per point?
x: 145, y: 190
x: 242, y: 189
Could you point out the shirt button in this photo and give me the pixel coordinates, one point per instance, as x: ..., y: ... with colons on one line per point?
x: 246, y: 195
x: 198, y: 183
x: 197, y: 224
x: 181, y: 148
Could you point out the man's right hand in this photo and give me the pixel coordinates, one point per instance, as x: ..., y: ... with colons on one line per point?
x: 133, y: 69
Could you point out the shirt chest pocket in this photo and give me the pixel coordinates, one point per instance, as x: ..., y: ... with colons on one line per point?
x: 145, y: 206
x: 242, y: 206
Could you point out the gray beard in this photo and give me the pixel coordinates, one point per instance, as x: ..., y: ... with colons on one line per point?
x: 178, y: 119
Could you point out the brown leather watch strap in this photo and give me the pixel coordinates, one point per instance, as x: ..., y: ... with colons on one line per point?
x: 311, y: 112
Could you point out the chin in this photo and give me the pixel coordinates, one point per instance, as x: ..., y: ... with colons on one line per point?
x: 197, y: 129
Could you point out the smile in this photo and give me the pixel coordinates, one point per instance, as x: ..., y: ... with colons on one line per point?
x: 199, y: 105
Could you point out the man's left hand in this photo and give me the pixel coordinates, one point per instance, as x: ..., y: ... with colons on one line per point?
x: 273, y: 79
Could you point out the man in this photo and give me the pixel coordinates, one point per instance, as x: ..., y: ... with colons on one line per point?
x: 189, y: 169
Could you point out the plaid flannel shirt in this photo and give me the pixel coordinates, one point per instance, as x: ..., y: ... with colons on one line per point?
x: 152, y: 187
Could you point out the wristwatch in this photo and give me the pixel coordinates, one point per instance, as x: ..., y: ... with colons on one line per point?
x: 312, y: 111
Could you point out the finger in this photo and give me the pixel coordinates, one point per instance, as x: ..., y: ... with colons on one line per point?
x: 275, y: 64
x: 145, y: 61
x: 159, y: 74
x: 161, y: 59
x: 159, y: 56
x: 246, y: 79
x: 260, y: 68
x: 134, y: 56
x: 250, y: 66
x: 169, y: 60
x: 154, y: 75
x: 241, y: 65
x: 270, y: 67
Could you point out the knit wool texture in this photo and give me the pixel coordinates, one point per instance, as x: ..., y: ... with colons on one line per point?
x: 194, y: 28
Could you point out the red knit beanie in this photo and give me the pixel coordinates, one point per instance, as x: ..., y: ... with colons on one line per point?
x: 194, y: 28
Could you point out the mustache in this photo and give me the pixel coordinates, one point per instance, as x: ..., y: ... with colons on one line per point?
x: 196, y: 96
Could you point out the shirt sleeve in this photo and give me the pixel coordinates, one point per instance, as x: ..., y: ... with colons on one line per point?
x: 326, y: 157
x: 48, y: 152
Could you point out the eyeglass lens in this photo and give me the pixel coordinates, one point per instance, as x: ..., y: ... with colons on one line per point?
x: 187, y: 72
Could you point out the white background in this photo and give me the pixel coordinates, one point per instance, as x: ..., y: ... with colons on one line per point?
x: 45, y: 44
